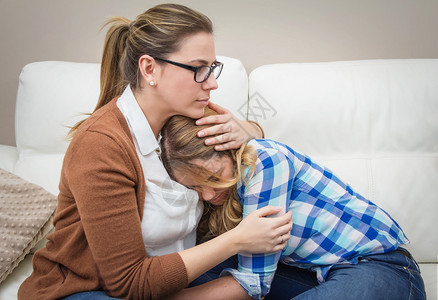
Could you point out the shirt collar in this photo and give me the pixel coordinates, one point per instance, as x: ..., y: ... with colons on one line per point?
x: 140, y: 128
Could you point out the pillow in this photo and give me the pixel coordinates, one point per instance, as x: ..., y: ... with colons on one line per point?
x: 26, y: 213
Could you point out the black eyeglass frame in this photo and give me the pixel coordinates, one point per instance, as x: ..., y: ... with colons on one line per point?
x: 196, y: 69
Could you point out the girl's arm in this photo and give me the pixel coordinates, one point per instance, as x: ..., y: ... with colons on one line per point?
x: 271, y: 185
x: 233, y: 132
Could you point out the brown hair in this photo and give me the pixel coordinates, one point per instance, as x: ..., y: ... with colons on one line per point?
x: 157, y: 32
x: 180, y: 145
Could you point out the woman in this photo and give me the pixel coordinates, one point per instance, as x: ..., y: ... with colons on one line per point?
x: 122, y: 227
x: 342, y: 246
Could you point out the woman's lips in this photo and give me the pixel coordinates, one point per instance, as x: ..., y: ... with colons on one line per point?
x: 203, y: 101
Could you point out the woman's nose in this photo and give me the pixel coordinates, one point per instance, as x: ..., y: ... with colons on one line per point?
x: 210, y: 83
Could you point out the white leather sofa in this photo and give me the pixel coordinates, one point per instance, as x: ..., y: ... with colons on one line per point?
x: 375, y: 123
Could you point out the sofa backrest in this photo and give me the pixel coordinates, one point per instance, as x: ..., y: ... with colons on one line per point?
x: 374, y: 123
x: 52, y: 96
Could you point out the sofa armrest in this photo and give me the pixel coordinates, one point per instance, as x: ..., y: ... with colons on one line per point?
x: 8, y: 157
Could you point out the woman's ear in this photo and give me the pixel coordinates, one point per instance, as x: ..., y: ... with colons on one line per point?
x: 147, y: 65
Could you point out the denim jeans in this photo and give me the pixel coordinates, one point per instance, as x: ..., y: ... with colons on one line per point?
x: 381, y: 276
x: 96, y: 295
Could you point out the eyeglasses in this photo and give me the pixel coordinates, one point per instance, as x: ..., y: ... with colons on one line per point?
x: 202, y: 72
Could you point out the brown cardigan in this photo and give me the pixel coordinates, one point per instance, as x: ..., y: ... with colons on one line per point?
x: 97, y: 243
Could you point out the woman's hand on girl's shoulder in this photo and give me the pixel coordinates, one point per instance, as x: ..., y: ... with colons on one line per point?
x: 259, y: 234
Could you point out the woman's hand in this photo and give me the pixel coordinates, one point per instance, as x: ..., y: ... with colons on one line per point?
x: 255, y: 234
x: 259, y: 234
x: 232, y: 131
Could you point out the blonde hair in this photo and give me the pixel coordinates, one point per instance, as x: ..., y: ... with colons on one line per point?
x: 180, y: 145
x: 157, y: 32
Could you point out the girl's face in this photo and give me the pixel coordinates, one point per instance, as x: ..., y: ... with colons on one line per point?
x: 221, y: 166
x: 178, y: 90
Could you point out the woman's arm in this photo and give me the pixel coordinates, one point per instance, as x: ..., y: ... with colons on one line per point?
x: 243, y: 238
x: 225, y: 287
x: 235, y: 132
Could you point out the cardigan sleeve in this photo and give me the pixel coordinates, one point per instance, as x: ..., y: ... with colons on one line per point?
x: 259, y: 127
x: 103, y: 177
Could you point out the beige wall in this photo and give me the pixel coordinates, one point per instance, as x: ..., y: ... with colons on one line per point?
x: 255, y: 31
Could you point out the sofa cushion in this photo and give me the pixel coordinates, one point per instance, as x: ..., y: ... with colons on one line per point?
x: 9, y: 287
x: 8, y: 157
x: 429, y: 272
x: 25, y: 218
x: 232, y: 92
x: 51, y: 96
x: 374, y: 123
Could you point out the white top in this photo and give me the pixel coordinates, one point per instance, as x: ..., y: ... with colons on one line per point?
x: 171, y: 211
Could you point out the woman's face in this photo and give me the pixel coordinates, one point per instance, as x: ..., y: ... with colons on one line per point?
x: 178, y: 89
x: 221, y: 166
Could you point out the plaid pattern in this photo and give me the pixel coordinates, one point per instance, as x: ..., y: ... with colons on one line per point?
x: 331, y: 222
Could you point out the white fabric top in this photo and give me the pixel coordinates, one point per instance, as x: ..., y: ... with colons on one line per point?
x: 171, y: 211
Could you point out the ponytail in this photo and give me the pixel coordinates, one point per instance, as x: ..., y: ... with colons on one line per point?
x: 111, y: 79
x: 112, y: 83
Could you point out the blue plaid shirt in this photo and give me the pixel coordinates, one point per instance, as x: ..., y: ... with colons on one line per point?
x: 331, y: 222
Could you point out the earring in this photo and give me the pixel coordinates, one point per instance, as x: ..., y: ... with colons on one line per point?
x: 152, y: 83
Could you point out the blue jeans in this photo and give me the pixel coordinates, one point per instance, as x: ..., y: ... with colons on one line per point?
x: 381, y: 276
x: 95, y: 295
